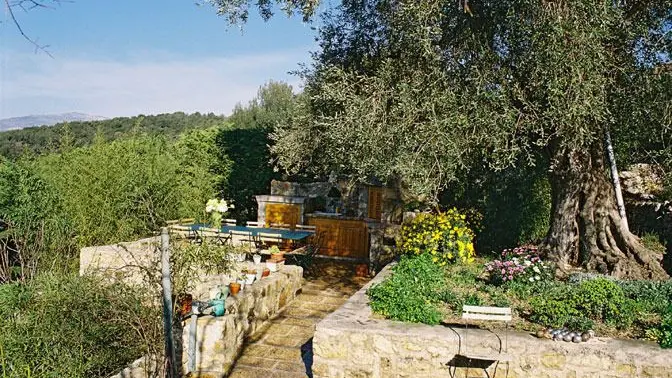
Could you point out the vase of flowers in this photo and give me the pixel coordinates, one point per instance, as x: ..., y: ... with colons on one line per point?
x: 217, y: 208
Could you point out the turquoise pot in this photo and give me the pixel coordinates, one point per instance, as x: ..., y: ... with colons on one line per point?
x: 218, y: 308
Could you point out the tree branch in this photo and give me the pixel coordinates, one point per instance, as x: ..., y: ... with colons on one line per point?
x: 27, y: 5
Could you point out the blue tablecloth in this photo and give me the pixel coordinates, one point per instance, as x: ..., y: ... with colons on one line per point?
x: 286, y: 234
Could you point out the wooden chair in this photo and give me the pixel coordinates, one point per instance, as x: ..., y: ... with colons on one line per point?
x: 255, y: 224
x: 229, y: 222
x: 305, y: 255
x: 243, y: 238
x: 187, y: 221
x: 172, y: 222
x: 266, y: 239
x: 482, y: 313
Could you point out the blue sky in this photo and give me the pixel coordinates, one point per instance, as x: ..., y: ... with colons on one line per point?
x: 126, y: 57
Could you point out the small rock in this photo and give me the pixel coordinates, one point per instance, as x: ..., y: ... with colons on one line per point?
x: 576, y: 339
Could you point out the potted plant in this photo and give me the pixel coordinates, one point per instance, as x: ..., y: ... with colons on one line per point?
x: 217, y: 208
x: 234, y: 288
x: 276, y: 254
x: 250, y: 276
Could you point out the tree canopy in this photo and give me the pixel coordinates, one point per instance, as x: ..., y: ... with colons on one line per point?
x: 423, y: 91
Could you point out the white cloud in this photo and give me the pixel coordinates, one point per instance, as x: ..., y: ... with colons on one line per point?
x: 35, y: 84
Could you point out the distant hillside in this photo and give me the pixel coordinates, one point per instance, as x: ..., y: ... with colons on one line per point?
x: 44, y: 120
x: 39, y: 139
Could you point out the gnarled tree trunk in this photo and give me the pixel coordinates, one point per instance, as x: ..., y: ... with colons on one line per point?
x: 586, y: 229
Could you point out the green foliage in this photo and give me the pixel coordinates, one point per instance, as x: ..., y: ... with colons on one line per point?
x: 32, y: 220
x: 244, y: 147
x: 237, y: 11
x: 412, y: 292
x: 652, y: 296
x: 652, y: 242
x: 126, y: 188
x: 444, y: 236
x: 189, y: 260
x: 515, y: 203
x: 42, y: 139
x: 580, y: 323
x: 70, y: 326
x: 552, y: 312
x: 599, y: 299
x: 665, y: 330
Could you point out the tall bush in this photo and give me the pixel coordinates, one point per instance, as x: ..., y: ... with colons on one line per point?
x: 32, y: 221
x: 69, y: 326
x: 126, y: 188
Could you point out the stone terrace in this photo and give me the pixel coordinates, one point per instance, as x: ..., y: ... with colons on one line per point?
x: 284, y: 347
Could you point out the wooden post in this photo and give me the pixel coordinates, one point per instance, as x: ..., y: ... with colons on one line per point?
x: 167, y: 304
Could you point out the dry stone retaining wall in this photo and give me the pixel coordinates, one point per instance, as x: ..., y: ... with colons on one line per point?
x: 352, y: 343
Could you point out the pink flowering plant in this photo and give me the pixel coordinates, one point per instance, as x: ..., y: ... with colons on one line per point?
x: 521, y: 264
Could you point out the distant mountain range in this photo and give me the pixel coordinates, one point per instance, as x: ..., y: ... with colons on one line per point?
x: 44, y: 120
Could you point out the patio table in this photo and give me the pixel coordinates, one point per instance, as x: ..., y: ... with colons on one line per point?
x: 293, y: 235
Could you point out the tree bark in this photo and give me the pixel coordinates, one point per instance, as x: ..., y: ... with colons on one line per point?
x: 586, y: 228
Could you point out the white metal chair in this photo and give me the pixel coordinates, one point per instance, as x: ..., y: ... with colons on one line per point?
x: 483, y: 313
x: 212, y: 233
x: 255, y: 224
x: 305, y: 227
x: 265, y: 239
x: 185, y: 231
x: 280, y: 226
x: 229, y: 222
x: 244, y: 238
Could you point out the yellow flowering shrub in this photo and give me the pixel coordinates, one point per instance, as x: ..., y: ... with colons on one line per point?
x: 446, y: 236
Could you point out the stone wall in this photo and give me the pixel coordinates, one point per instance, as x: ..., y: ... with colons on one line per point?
x: 352, y: 343
x: 122, y: 261
x: 219, y: 339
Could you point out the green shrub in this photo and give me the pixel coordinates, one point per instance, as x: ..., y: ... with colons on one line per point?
x: 552, y: 312
x: 453, y: 300
x: 70, y: 326
x: 579, y: 323
x: 601, y: 299
x: 412, y: 292
x: 653, y: 296
x: 662, y: 333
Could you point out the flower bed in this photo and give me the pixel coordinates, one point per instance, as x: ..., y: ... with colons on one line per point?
x: 432, y: 286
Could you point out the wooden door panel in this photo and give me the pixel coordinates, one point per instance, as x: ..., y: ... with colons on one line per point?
x: 344, y: 238
x: 283, y: 213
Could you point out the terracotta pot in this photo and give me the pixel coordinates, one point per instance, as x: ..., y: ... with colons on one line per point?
x: 266, y: 273
x: 234, y: 288
x: 362, y: 270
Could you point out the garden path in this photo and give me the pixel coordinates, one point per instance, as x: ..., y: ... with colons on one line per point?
x: 284, y: 347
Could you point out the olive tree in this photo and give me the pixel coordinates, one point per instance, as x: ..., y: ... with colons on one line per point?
x: 422, y: 90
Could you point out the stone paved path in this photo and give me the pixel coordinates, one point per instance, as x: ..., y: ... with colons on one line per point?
x: 284, y: 347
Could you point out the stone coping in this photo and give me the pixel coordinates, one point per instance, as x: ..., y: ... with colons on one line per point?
x: 393, y: 348
x: 271, y: 198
